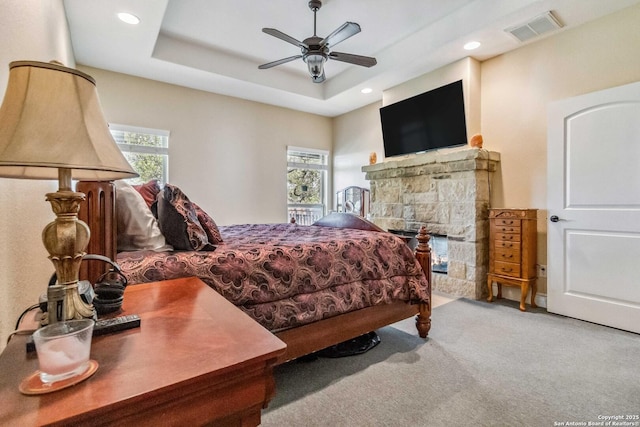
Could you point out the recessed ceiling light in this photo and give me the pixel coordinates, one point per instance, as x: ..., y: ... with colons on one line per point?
x: 366, y: 90
x: 472, y: 45
x: 128, y: 18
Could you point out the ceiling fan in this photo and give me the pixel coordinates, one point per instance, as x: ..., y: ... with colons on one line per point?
x: 316, y: 51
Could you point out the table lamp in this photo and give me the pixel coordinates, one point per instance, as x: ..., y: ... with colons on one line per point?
x: 52, y: 127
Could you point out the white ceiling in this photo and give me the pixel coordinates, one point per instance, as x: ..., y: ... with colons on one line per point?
x: 217, y: 45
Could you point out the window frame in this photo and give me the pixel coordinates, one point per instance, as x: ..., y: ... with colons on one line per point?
x: 144, y: 149
x: 324, y: 196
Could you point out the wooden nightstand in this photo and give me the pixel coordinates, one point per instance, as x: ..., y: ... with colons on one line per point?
x: 195, y: 359
x: 512, y: 251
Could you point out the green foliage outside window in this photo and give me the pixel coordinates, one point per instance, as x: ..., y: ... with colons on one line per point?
x: 148, y: 166
x: 146, y: 152
x: 305, y: 177
x: 304, y: 186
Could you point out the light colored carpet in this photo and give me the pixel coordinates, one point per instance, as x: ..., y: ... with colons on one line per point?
x: 482, y: 365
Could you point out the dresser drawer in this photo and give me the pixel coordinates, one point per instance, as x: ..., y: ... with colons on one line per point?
x: 501, y: 244
x: 500, y: 222
x: 503, y: 228
x: 506, y: 237
x: 507, y: 268
x: 508, y: 255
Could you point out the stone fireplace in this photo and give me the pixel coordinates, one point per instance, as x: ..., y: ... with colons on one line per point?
x: 448, y: 191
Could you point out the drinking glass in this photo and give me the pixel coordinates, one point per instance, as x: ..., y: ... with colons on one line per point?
x: 63, y: 349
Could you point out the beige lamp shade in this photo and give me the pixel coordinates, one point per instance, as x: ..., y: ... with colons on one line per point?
x: 51, y: 118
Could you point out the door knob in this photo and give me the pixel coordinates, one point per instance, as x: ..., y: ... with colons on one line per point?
x: 554, y: 218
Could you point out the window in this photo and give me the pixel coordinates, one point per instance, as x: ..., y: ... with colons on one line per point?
x: 147, y: 150
x: 307, y: 172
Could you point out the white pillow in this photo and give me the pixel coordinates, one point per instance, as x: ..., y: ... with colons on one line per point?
x: 137, y: 228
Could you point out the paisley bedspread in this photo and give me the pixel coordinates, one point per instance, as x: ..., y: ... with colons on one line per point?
x: 285, y: 275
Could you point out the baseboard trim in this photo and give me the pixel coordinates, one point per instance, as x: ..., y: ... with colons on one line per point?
x: 541, y: 300
x: 513, y: 293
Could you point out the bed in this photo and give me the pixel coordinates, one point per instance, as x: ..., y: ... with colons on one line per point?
x: 312, y: 286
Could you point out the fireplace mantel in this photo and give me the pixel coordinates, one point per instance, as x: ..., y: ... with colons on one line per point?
x: 443, y: 158
x: 448, y: 191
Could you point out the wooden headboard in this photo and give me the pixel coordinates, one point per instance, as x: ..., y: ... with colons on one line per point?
x: 99, y: 212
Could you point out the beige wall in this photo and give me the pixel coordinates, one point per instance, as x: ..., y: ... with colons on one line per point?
x: 228, y: 155
x: 356, y: 135
x: 515, y: 89
x: 29, y: 30
x: 518, y: 86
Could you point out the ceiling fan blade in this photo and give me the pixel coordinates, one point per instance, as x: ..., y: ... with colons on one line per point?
x: 342, y: 33
x: 279, y: 61
x: 282, y: 36
x: 319, y: 79
x: 365, y: 61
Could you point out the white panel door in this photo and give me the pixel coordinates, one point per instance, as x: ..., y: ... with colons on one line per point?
x: 594, y: 207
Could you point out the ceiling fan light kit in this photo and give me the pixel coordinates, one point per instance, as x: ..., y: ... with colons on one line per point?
x: 315, y: 51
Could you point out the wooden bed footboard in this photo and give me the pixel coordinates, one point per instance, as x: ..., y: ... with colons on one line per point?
x: 422, y: 253
x: 99, y: 214
x: 306, y: 339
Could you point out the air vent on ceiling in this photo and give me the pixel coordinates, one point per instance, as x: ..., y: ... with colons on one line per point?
x: 535, y: 27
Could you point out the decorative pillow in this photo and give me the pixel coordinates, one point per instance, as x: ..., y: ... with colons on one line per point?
x: 209, y: 225
x: 149, y: 191
x: 179, y: 222
x: 136, y: 227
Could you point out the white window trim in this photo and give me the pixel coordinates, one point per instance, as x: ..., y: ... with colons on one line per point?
x: 324, y: 167
x: 141, y: 148
x: 307, y: 150
x: 139, y: 129
x: 325, y: 153
x: 132, y: 148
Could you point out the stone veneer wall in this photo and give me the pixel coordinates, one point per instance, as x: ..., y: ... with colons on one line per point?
x: 448, y: 191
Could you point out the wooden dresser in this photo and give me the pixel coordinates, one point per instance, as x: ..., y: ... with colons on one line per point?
x: 512, y: 251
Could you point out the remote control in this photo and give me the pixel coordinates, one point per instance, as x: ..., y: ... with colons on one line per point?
x: 103, y: 327
x: 106, y: 326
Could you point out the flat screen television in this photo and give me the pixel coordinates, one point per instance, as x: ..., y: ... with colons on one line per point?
x: 431, y: 120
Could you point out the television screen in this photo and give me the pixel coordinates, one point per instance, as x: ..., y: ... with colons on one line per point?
x: 432, y: 120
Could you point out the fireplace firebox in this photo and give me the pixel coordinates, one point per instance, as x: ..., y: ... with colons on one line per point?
x: 437, y: 243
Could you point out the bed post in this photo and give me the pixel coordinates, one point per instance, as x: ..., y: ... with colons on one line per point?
x: 423, y: 255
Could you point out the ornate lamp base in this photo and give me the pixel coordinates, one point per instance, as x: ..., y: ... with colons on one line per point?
x: 66, y: 239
